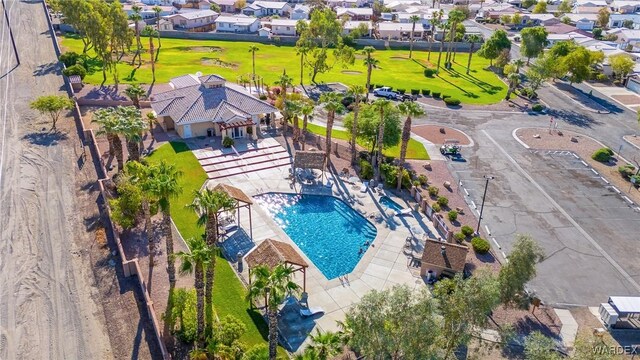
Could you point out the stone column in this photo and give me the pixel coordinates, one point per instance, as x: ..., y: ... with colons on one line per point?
x: 254, y: 132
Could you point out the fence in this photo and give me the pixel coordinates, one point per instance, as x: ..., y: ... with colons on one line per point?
x: 129, y: 267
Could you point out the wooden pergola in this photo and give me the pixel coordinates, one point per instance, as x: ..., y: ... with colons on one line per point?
x: 309, y: 160
x: 244, y: 201
x: 271, y: 253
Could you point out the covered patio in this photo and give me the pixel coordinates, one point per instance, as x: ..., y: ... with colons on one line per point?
x: 271, y: 253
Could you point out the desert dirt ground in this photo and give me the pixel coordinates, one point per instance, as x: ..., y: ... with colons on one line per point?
x: 57, y: 291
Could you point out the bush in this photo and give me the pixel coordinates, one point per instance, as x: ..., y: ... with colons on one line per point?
x: 433, y: 191
x: 415, y: 183
x: 371, y: 87
x: 528, y: 92
x: 602, y: 77
x: 451, y: 101
x: 480, y: 245
x: 602, y: 155
x: 452, y: 215
x: 69, y: 58
x: 402, y: 91
x: 263, y: 97
x: 423, y: 179
x: 444, y: 96
x: 459, y: 237
x: 435, y: 94
x: 389, y: 174
x: 537, y: 107
x: 443, y: 201
x: 415, y: 91
x: 635, y: 179
x: 627, y: 171
x: 467, y: 230
x: 436, y: 207
x: 429, y: 72
x: 227, y: 142
x: 426, y: 92
x: 76, y: 69
x: 183, y: 314
x: 366, y: 170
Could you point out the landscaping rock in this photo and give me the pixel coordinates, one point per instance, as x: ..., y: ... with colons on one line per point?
x: 442, y: 130
x: 536, y: 136
x: 574, y: 139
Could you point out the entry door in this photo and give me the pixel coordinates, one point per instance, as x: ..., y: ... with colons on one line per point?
x: 187, y: 131
x: 237, y: 132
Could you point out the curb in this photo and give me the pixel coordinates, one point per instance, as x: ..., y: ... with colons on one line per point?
x: 609, y: 97
x: 579, y: 103
x: 630, y: 143
x: 471, y: 142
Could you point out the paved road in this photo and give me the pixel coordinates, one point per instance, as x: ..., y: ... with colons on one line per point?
x: 47, y: 306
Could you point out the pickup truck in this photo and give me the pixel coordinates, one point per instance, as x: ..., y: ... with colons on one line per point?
x: 386, y: 92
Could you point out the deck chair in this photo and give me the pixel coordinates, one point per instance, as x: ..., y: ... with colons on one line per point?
x: 311, y: 311
x: 404, y: 211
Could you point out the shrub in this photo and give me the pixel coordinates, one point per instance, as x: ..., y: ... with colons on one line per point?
x: 389, y: 174
x: 451, y: 101
x: 423, y: 179
x: 528, y: 92
x: 402, y: 91
x: 467, y: 230
x: 627, y: 171
x: 635, y: 179
x: 415, y: 91
x: 480, y: 245
x: 602, y: 155
x: 227, y: 142
x: 443, y: 201
x: 426, y: 92
x: 445, y: 96
x: 436, y: 207
x: 435, y: 94
x: 366, y: 170
x: 371, y: 87
x: 76, y: 69
x: 452, y: 215
x: 416, y: 183
x: 69, y: 58
x: 429, y: 72
x: 433, y: 191
x: 537, y: 107
x: 183, y: 314
x: 459, y: 237
x: 263, y: 97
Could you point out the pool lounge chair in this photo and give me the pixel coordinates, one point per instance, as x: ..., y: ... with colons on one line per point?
x: 405, y: 211
x: 311, y: 311
x: 364, y: 187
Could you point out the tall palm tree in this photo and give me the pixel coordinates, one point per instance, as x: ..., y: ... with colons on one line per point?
x: 252, y: 50
x: 382, y: 105
x: 164, y: 186
x: 332, y: 103
x: 274, y: 286
x: 131, y: 126
x: 437, y: 22
x: 413, y: 19
x: 200, y: 256
x: 519, y: 63
x: 326, y: 345
x: 209, y: 204
x: 284, y: 81
x: 135, y: 92
x: 136, y: 17
x: 473, y: 39
x: 370, y: 63
x: 514, y: 80
x: 141, y: 175
x: 151, y: 32
x: 356, y: 91
x: 158, y: 10
x: 302, y: 51
x: 410, y: 109
x: 307, y: 111
x: 455, y: 17
x: 294, y: 108
x: 110, y: 127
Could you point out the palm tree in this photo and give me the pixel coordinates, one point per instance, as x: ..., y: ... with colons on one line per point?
x: 158, y: 10
x: 518, y: 63
x: 141, y: 175
x: 413, y: 19
x: 332, y: 104
x: 302, y: 51
x: 410, y: 109
x: 326, y: 345
x: 274, y: 286
x: 252, y: 50
x: 370, y: 63
x: 208, y: 204
x: 455, y: 17
x: 356, y: 91
x: 306, y: 111
x: 472, y: 39
x: 200, y: 256
x: 131, y: 126
x: 136, y: 17
x: 294, y: 108
x: 135, y: 92
x: 382, y: 105
x: 110, y: 127
x: 151, y: 118
x: 284, y: 81
x: 151, y: 32
x: 437, y: 21
x: 164, y: 186
x: 514, y: 80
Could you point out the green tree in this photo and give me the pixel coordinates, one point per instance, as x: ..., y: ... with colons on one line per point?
x: 514, y: 81
x: 520, y: 269
x: 225, y: 341
x: 284, y: 81
x: 257, y: 352
x: 158, y: 10
x: 110, y: 127
x: 370, y: 62
x: 121, y: 36
x: 436, y: 22
x: 99, y: 32
x: 252, y: 50
x: 53, y: 106
x: 603, y: 18
x: 306, y: 111
x: 140, y: 175
x: 272, y: 285
x: 621, y: 64
x: 541, y: 7
x: 126, y: 207
x: 381, y: 106
x: 565, y: 7
x: 131, y: 126
x: 492, y: 48
x: 332, y: 104
x: 356, y: 91
x: 326, y: 345
x: 369, y: 124
x: 135, y: 92
x: 194, y: 261
x: 455, y: 18
x: 518, y: 63
x: 516, y: 19
x: 302, y: 50
x: 534, y: 40
x: 473, y: 39
x: 410, y: 109
x: 539, y: 347
x: 578, y: 64
x: 77, y: 14
x: 294, y: 109
x: 151, y: 33
x: 413, y: 19
x: 136, y: 17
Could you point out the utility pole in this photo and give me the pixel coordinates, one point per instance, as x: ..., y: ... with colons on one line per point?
x: 486, y: 185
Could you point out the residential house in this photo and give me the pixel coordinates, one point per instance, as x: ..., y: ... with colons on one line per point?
x: 401, y: 5
x: 200, y: 20
x: 620, y: 20
x: 625, y: 6
x: 209, y: 106
x: 267, y: 8
x: 495, y: 12
x: 345, y: 3
x: 284, y: 27
x: 555, y: 38
x: 442, y: 258
x: 354, y: 14
x: 159, y: 2
x: 226, y: 6
x: 147, y: 12
x: 350, y: 26
x: 629, y: 40
x: 589, y: 6
x: 240, y: 24
x: 538, y: 19
x: 398, y: 31
x: 584, y: 22
x: 165, y: 25
x: 561, y: 28
x: 300, y: 12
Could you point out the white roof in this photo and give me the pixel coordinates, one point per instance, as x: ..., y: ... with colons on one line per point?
x: 591, y: 3
x: 581, y: 17
x: 270, y: 4
x: 619, y: 3
x: 391, y: 26
x: 350, y: 25
x: 237, y: 19
x: 630, y: 34
x: 284, y: 22
x: 301, y: 8
x: 567, y: 36
x: 625, y: 304
x: 354, y: 11
x: 541, y: 17
x: 191, y: 15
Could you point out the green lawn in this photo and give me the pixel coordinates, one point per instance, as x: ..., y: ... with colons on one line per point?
x: 415, y: 150
x: 231, y: 59
x: 228, y: 293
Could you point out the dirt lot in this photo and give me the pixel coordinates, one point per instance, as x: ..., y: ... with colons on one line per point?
x: 433, y: 134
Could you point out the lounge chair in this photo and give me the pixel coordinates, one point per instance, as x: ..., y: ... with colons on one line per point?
x: 311, y: 311
x: 364, y: 187
x: 230, y: 226
x: 329, y: 184
x: 405, y: 211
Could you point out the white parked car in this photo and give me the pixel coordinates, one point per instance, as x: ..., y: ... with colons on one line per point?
x: 386, y: 92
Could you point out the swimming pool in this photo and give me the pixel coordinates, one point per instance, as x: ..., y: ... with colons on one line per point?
x: 328, y: 231
x: 388, y: 203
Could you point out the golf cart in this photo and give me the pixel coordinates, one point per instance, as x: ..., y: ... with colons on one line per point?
x: 450, y: 148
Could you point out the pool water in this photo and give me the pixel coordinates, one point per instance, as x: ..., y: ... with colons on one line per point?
x: 388, y: 203
x: 327, y: 230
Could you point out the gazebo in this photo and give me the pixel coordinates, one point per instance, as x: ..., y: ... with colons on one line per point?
x: 309, y: 160
x: 244, y: 201
x: 273, y: 252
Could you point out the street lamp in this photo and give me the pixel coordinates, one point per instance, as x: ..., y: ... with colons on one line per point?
x: 486, y: 185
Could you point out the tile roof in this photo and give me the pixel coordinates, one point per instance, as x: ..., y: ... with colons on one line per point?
x: 454, y: 256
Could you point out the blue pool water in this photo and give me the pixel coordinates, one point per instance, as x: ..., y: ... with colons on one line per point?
x: 388, y: 203
x: 329, y: 232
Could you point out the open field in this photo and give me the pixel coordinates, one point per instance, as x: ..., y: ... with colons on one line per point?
x: 232, y: 59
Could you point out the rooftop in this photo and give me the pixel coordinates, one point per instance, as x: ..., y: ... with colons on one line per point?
x: 234, y: 193
x: 191, y: 15
x: 355, y: 11
x: 453, y: 257
x: 236, y: 19
x: 272, y: 253
x: 270, y: 4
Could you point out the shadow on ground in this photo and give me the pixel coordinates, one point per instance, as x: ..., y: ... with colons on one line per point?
x: 45, y: 138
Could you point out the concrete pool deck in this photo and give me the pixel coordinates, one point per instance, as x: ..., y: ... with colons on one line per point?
x: 383, y: 265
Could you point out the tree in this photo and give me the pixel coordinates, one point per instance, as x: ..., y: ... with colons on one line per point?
x: 628, y: 24
x: 53, y: 106
x: 539, y: 347
x: 410, y: 109
x: 158, y: 10
x: 369, y: 125
x: 332, y: 103
x: 492, y: 48
x: 518, y: 63
x: 302, y: 50
x: 436, y: 21
x: 514, y: 81
x: 252, y: 50
x: 272, y: 285
x: 136, y: 17
x: 370, y: 62
x: 472, y: 39
x: 326, y: 345
x: 356, y: 91
x: 455, y: 18
x: 597, y: 33
x: 565, y: 7
x: 194, y: 261
x: 240, y: 4
x: 131, y: 125
x: 77, y: 14
x: 541, y: 7
x: 140, y: 175
x: 516, y: 19
x: 534, y: 40
x: 603, y: 18
x: 208, y: 204
x: 578, y: 64
x: 284, y: 81
x: 293, y: 109
x: 413, y: 19
x: 121, y: 36
x: 225, y: 341
x: 110, y: 127
x: 382, y: 106
x: 306, y: 111
x: 135, y: 92
x: 520, y: 269
x: 125, y: 208
x: 621, y: 64
x: 151, y: 32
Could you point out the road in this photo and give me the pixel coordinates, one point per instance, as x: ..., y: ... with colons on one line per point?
x: 47, y: 302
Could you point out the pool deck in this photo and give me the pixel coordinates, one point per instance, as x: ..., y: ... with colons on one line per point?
x: 384, y: 264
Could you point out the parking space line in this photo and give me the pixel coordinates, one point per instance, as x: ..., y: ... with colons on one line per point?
x: 487, y: 228
x: 566, y: 215
x: 495, y: 242
x: 594, y: 171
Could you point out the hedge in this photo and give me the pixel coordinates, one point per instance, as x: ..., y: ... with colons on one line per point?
x: 537, y: 107
x: 426, y: 92
x: 429, y: 72
x: 402, y: 91
x: 480, y: 245
x: 452, y: 101
x: 436, y: 94
x: 602, y: 155
x: 467, y: 230
x: 415, y: 91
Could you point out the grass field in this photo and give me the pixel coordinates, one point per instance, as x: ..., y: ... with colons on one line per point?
x: 232, y: 59
x: 415, y: 150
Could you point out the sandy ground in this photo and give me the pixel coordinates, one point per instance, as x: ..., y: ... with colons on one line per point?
x: 50, y: 307
x: 433, y: 134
